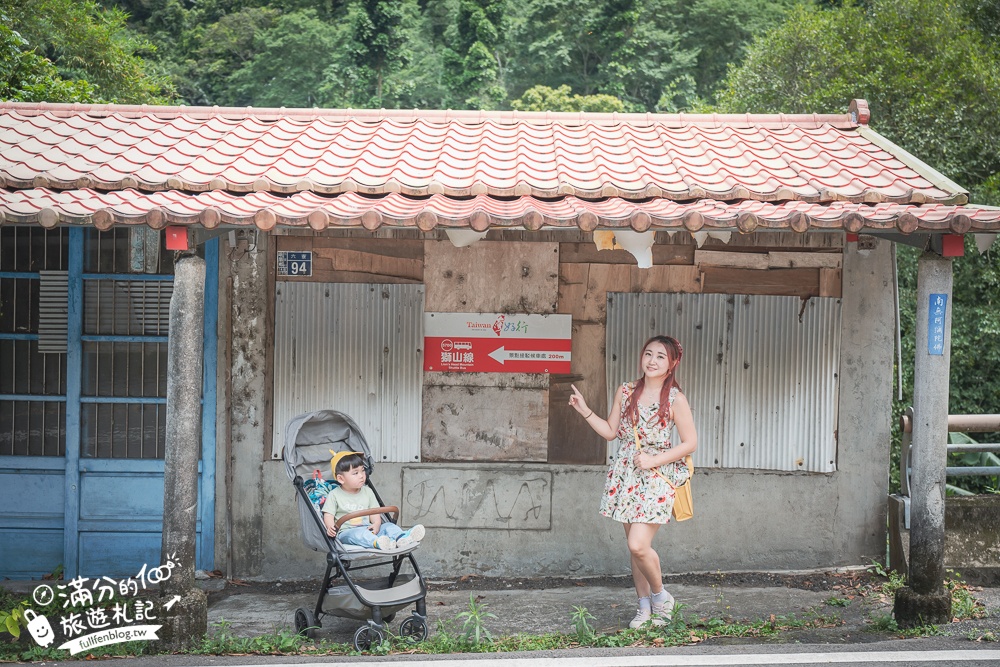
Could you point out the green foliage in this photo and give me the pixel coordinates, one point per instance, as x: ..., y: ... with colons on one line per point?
x: 964, y: 605
x: 720, y: 31
x: 474, y: 61
x: 834, y: 601
x: 219, y: 64
x: 650, y: 55
x: 11, y: 621
x: 222, y: 641
x: 289, y: 65
x: 474, y: 622
x: 885, y: 623
x: 627, y: 49
x: 543, y: 98
x: 581, y: 624
x: 94, y: 55
x: 26, y: 76
x: 377, y: 51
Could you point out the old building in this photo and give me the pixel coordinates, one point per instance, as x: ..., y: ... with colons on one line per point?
x: 443, y: 278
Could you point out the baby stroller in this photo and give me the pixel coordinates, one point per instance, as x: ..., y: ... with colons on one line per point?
x: 309, y: 438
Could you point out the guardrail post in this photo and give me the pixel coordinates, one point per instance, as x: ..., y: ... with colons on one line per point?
x: 924, y: 600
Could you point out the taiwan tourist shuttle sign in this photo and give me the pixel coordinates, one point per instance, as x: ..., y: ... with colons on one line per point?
x: 497, y: 343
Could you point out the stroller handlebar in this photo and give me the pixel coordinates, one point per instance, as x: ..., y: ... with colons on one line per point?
x: 391, y: 510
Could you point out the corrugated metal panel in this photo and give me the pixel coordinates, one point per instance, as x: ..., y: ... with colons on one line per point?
x: 700, y: 323
x: 356, y: 348
x: 52, y: 311
x: 783, y: 390
x: 761, y: 382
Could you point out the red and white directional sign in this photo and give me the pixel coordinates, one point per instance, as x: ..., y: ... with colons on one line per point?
x: 497, y: 343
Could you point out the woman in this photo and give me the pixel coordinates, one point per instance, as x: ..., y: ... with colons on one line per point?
x: 639, y: 490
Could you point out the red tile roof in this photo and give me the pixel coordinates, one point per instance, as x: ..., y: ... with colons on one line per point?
x: 173, y: 165
x: 306, y: 209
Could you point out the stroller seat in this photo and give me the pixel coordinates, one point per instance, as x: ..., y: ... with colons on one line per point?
x: 354, y: 552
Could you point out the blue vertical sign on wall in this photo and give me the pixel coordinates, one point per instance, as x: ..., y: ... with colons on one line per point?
x: 935, y: 323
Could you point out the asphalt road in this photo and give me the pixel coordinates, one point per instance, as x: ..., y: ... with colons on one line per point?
x: 886, y: 654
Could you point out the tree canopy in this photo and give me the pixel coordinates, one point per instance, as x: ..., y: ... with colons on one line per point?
x: 652, y: 55
x: 75, y: 51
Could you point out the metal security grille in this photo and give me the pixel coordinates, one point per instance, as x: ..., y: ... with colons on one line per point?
x: 760, y: 372
x: 126, y: 309
x: 32, y: 384
x: 355, y: 348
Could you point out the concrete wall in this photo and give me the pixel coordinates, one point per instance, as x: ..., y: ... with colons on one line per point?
x: 972, y: 537
x: 511, y: 519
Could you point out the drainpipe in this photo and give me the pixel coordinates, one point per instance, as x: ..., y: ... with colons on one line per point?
x: 187, y: 617
x: 925, y: 601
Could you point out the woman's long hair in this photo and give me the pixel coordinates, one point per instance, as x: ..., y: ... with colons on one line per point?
x: 674, y: 353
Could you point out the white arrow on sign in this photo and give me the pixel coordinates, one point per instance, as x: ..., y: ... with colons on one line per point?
x: 501, y: 355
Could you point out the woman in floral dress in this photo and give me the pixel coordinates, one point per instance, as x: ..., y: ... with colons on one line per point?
x: 639, y: 488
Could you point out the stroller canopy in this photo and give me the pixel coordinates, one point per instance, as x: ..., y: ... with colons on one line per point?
x: 309, y: 438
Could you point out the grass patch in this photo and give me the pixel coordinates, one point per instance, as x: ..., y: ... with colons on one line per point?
x: 885, y: 623
x: 978, y: 635
x: 964, y: 604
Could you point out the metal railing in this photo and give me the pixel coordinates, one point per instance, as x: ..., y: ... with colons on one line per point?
x: 956, y: 424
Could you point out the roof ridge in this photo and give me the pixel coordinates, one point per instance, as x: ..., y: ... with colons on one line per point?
x: 846, y: 120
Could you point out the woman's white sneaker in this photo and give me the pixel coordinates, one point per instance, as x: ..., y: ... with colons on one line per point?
x: 662, y: 612
x: 642, y: 616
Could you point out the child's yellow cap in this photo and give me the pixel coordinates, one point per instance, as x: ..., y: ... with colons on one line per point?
x: 339, y: 455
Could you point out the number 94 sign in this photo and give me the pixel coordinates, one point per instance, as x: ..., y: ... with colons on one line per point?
x: 297, y: 264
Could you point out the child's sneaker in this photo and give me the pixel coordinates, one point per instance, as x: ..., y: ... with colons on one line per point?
x: 411, y: 536
x: 384, y: 543
x: 663, y: 611
x: 416, y: 533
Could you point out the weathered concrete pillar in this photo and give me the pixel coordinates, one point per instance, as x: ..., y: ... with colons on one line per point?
x: 187, y: 620
x: 250, y: 335
x: 924, y: 600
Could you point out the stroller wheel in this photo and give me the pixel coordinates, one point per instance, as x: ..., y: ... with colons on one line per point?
x: 413, y: 629
x: 367, y: 636
x: 305, y: 623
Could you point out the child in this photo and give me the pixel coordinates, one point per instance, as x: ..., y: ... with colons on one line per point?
x: 353, y: 495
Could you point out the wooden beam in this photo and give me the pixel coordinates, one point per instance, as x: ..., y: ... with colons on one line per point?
x: 805, y: 260
x: 776, y: 282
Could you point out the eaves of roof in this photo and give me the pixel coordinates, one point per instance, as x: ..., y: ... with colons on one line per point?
x: 107, y: 164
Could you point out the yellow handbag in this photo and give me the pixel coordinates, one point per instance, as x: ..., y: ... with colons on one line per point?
x: 683, y: 500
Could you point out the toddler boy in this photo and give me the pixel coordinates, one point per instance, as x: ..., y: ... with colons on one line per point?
x: 353, y: 495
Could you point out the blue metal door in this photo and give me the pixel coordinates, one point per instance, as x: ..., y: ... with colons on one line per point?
x: 83, y: 342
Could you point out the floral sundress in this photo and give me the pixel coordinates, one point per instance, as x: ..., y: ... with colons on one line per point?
x: 633, y: 495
